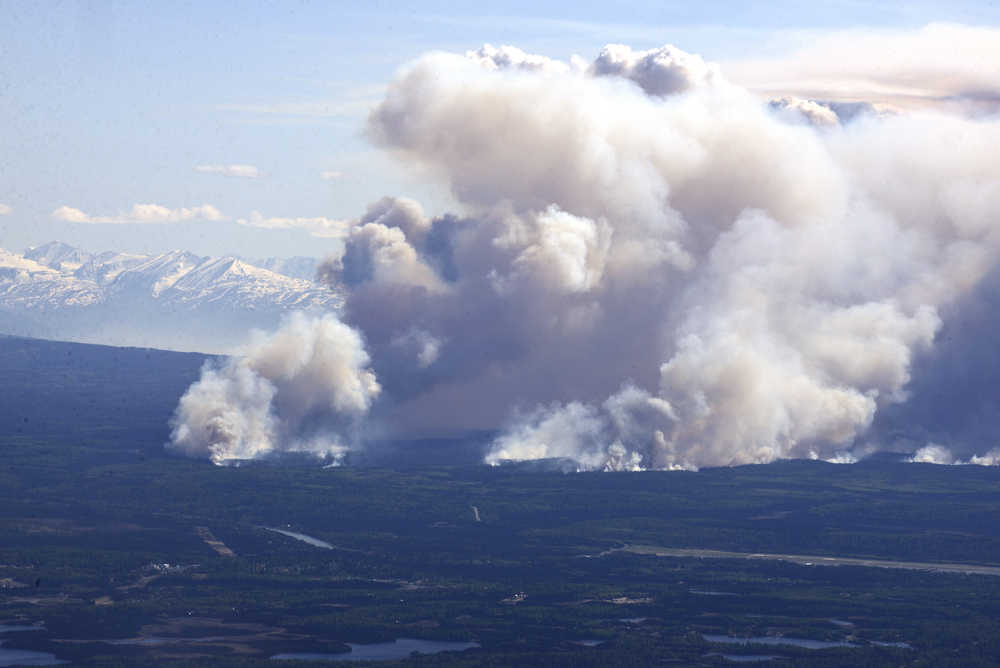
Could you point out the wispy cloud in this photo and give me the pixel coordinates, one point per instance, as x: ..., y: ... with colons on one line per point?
x: 142, y: 213
x: 318, y: 226
x: 936, y: 65
x: 317, y: 109
x: 599, y: 30
x: 331, y: 175
x: 355, y: 102
x: 239, y: 171
x: 5, y: 209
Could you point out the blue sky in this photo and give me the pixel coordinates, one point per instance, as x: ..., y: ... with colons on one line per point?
x: 110, y: 104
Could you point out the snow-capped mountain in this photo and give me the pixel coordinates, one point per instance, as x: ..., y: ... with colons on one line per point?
x: 177, y: 300
x: 296, y: 267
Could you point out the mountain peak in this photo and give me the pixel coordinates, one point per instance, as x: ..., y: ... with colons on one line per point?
x: 58, y: 255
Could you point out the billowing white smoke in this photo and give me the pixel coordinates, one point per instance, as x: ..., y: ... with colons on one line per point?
x: 510, y: 57
x: 301, y: 388
x: 808, y: 111
x: 778, y: 279
x: 938, y: 454
x: 828, y: 113
x: 652, y: 267
x: 662, y: 71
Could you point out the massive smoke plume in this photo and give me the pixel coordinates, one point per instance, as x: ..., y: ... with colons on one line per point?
x: 651, y: 268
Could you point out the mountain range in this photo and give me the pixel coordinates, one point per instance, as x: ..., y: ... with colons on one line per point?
x: 175, y: 300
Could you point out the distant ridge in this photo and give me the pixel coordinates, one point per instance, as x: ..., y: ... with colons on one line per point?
x: 174, y: 301
x: 115, y: 398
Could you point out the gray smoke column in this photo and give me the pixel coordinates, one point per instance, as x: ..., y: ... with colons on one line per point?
x: 303, y: 388
x: 650, y: 268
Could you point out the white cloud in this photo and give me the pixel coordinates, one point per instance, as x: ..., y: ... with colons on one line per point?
x: 142, y: 213
x: 318, y: 226
x: 239, y: 171
x: 331, y: 175
x: 5, y: 209
x: 71, y: 215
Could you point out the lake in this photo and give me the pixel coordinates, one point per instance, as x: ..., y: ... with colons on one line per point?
x: 383, y: 651
x: 901, y: 645
x: 315, y: 542
x: 746, y: 658
x: 588, y: 642
x: 776, y: 640
x: 4, y: 628
x: 24, y: 657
